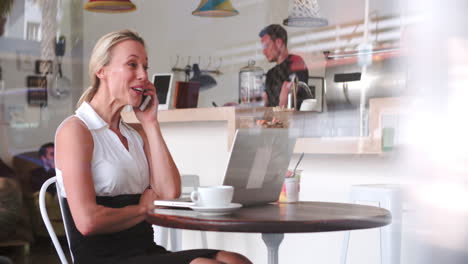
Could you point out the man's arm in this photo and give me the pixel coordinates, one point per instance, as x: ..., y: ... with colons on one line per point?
x: 283, y: 97
x: 299, y: 67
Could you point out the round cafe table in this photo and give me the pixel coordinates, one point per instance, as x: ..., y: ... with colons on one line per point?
x: 275, y: 219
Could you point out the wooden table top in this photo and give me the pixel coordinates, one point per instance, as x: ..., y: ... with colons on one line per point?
x: 299, y: 217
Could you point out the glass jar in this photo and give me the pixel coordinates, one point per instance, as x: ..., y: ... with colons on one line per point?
x: 250, y: 83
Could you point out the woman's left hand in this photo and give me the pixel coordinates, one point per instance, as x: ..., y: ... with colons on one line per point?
x: 150, y: 114
x: 147, y: 198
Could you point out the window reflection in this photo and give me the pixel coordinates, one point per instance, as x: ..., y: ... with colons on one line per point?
x: 399, y: 36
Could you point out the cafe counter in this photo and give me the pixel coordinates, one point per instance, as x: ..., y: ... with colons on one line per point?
x: 317, y: 136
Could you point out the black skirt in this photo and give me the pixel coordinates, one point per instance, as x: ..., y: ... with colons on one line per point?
x: 133, y: 245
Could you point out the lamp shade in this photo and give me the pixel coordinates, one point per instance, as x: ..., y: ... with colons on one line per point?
x: 305, y: 13
x: 110, y: 6
x: 215, y: 8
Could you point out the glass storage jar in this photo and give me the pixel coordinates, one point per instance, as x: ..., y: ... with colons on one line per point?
x: 250, y: 83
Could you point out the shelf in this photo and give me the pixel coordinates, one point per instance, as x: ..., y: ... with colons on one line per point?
x: 337, y: 145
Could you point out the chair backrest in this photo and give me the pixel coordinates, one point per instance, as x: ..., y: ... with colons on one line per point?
x: 45, y: 218
x: 65, y: 217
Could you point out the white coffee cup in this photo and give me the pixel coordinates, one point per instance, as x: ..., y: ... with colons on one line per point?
x: 308, y: 104
x: 213, y: 196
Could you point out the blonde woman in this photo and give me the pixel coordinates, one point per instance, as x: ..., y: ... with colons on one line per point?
x: 110, y: 172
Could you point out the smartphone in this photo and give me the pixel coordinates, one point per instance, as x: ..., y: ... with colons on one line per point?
x: 145, y: 102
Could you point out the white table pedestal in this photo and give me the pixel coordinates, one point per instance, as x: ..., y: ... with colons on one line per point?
x: 272, y: 242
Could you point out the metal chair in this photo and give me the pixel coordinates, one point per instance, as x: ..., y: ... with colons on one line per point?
x: 162, y: 234
x: 389, y: 196
x: 45, y: 218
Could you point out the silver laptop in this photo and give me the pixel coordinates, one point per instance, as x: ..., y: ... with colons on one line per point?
x: 257, y: 166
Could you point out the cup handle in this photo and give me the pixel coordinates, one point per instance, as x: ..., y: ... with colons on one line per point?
x: 194, y: 196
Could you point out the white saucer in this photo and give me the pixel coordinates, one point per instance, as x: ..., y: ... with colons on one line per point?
x: 216, y: 210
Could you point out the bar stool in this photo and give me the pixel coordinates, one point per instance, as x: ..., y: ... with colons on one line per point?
x: 163, y: 234
x: 389, y: 196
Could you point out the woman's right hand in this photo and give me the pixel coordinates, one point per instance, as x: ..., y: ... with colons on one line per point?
x: 149, y: 115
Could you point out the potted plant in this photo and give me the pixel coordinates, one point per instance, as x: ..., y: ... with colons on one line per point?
x: 5, y: 8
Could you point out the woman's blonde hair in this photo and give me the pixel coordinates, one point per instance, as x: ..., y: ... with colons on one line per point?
x: 101, y: 56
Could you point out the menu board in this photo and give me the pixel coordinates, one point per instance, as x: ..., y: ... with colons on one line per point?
x: 37, y: 90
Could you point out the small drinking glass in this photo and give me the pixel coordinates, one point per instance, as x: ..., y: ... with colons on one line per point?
x: 291, y: 187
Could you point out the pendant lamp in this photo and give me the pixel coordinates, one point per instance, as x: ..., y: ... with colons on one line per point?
x: 215, y: 8
x: 305, y: 13
x: 110, y: 6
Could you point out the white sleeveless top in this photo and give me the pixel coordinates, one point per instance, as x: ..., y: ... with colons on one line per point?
x: 115, y: 169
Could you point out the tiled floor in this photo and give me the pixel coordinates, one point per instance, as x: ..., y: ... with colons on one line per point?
x: 42, y: 251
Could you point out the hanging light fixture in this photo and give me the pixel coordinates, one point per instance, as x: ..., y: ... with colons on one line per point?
x: 215, y: 8
x: 305, y: 13
x: 110, y: 6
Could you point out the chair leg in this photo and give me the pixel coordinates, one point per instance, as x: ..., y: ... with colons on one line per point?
x: 160, y: 235
x: 390, y: 236
x: 176, y: 239
x: 27, y: 254
x: 204, y: 240
x: 344, y: 250
x: 26, y: 249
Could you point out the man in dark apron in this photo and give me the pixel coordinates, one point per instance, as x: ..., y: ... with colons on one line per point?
x: 274, y: 40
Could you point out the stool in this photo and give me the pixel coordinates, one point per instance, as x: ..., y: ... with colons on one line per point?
x: 389, y: 196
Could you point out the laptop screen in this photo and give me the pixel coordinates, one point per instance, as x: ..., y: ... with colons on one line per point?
x: 163, y: 84
x: 258, y: 163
